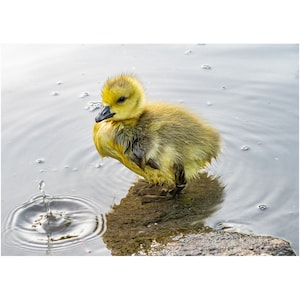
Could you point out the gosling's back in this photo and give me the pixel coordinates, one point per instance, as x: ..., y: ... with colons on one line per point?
x: 179, y: 137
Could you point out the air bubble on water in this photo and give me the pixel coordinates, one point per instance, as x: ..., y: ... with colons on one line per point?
x: 223, y: 226
x: 188, y: 52
x: 206, y: 67
x: 55, y: 93
x: 262, y: 206
x: 93, y: 105
x: 40, y: 160
x: 219, y: 225
x: 245, y: 148
x: 84, y: 94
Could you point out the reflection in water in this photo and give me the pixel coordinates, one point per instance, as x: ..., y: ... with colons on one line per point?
x: 137, y: 220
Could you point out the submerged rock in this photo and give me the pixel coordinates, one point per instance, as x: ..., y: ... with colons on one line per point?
x: 147, y: 214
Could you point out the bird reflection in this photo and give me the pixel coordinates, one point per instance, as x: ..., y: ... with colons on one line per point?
x: 145, y: 214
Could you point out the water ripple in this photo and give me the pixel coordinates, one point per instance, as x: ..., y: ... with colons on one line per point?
x: 73, y: 222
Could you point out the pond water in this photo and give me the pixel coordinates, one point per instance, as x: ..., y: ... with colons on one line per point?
x: 48, y: 95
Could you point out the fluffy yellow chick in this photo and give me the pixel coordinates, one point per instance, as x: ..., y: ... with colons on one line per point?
x: 162, y: 142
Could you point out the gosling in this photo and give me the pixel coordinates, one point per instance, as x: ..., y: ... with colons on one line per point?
x: 164, y: 143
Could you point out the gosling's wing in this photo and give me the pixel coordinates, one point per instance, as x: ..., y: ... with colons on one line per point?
x: 137, y: 152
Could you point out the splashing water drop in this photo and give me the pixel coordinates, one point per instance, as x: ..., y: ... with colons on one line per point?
x: 72, y: 223
x: 41, y: 187
x: 46, y: 201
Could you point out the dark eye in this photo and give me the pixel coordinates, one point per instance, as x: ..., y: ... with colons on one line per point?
x: 121, y: 99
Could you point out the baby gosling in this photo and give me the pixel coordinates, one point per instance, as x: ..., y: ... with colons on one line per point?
x: 162, y: 142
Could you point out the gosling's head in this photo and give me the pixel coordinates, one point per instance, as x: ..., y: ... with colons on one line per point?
x: 123, y: 99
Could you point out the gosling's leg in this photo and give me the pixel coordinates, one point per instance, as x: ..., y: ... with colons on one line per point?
x: 180, y: 180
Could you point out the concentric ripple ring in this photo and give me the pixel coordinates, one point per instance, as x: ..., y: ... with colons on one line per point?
x: 72, y: 221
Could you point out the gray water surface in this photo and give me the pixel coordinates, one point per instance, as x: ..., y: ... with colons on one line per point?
x: 248, y: 92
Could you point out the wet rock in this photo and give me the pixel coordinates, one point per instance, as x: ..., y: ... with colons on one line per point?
x: 221, y: 243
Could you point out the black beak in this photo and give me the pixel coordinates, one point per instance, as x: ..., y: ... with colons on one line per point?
x: 104, y: 114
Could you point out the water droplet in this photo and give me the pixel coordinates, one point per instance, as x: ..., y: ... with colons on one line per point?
x: 208, y: 103
x: 262, y: 206
x: 40, y: 160
x: 245, y: 148
x: 188, y: 52
x: 75, y: 169
x: 224, y: 87
x: 66, y: 166
x: 84, y: 94
x: 55, y: 93
x: 58, y: 82
x: 99, y: 165
x: 276, y: 158
x: 41, y: 186
x: 206, y: 67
